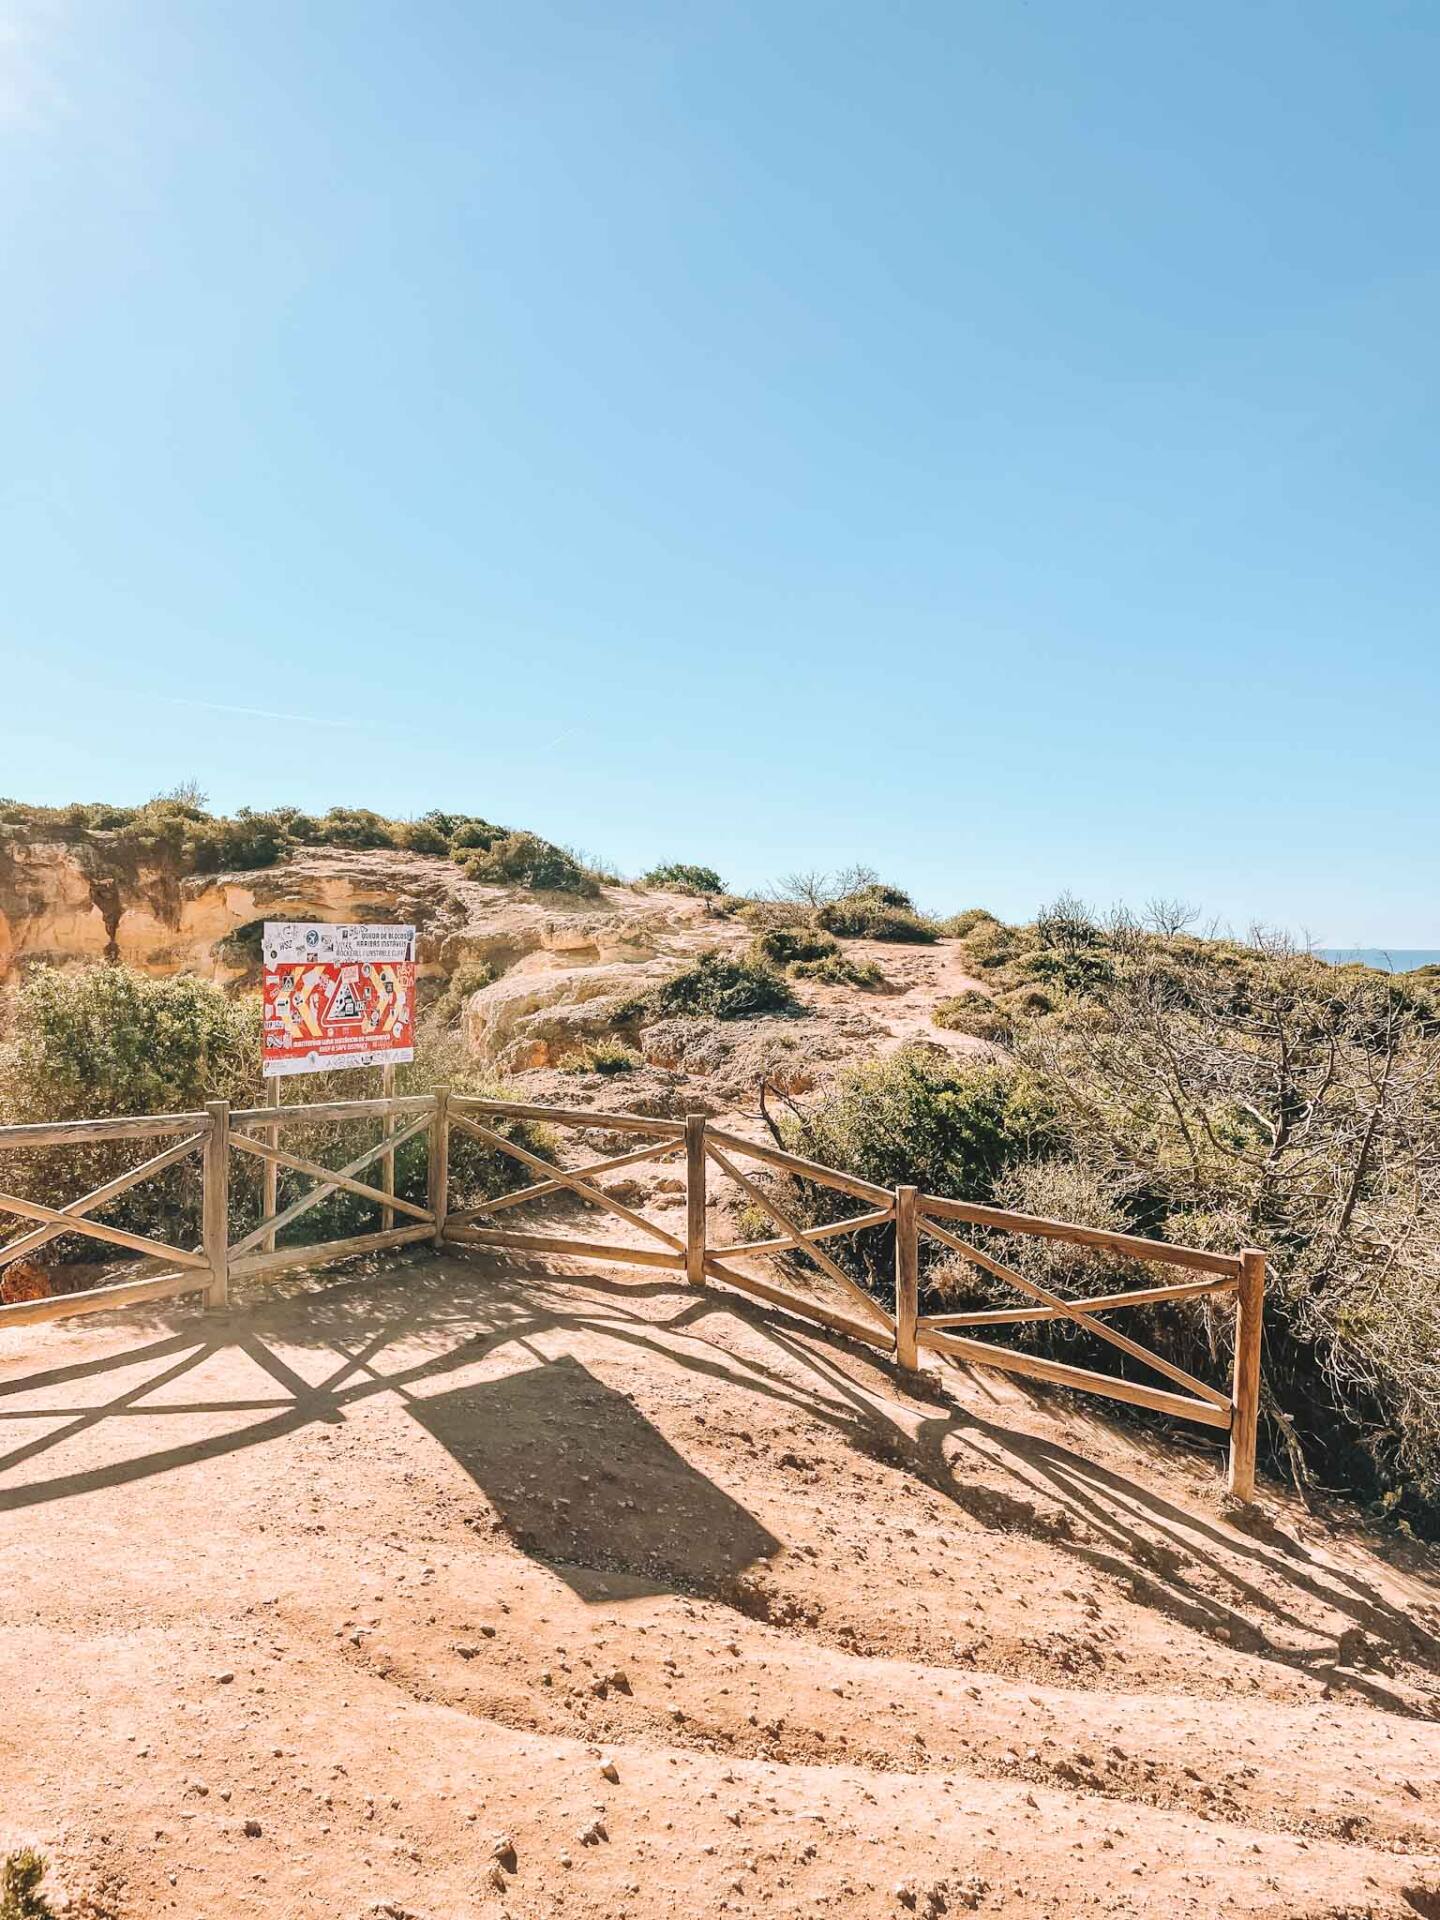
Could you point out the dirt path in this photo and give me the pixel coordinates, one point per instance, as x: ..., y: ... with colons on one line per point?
x: 312, y: 1609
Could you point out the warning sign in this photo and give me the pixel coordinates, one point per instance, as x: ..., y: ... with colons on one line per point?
x: 337, y: 996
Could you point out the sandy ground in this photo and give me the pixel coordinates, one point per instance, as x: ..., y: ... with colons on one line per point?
x: 460, y: 1590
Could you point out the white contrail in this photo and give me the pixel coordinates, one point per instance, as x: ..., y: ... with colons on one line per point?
x: 259, y: 713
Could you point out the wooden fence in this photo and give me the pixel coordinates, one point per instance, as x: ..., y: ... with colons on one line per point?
x: 219, y: 1134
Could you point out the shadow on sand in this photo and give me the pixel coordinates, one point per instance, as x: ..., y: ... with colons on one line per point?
x: 647, y: 1509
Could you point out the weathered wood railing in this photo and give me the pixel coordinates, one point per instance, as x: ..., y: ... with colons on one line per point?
x: 219, y: 1134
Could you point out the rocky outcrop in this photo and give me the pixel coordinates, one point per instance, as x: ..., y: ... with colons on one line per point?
x: 538, y: 1018
x: 71, y: 900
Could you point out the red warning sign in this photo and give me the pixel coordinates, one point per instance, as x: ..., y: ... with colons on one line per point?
x: 337, y: 996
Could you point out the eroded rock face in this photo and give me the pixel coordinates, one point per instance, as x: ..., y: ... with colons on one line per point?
x: 67, y: 901
x: 535, y: 1018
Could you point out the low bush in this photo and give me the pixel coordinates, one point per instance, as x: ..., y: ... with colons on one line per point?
x: 926, y: 1119
x: 837, y: 970
x: 723, y: 988
x: 176, y: 832
x: 468, y: 978
x: 607, y: 1056
x: 421, y: 836
x: 676, y: 876
x: 354, y: 827
x: 89, y: 1042
x: 971, y: 1012
x: 86, y: 1043
x: 783, y: 946
x: 20, y: 1896
x: 918, y: 1118
x: 990, y: 945
x: 525, y: 860
x: 876, y: 913
x: 959, y: 926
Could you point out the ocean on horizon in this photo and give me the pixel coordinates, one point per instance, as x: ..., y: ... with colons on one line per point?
x: 1387, y: 959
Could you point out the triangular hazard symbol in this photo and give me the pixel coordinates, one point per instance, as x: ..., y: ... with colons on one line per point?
x: 344, y: 1005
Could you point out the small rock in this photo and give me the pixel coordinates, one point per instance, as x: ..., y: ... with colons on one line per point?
x: 609, y: 1770
x: 252, y: 1829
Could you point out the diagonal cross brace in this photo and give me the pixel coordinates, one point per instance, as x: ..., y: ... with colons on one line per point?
x: 75, y: 1210
x: 1077, y: 1314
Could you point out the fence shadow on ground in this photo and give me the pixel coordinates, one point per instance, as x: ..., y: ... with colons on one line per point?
x: 630, y: 1505
x: 421, y: 1321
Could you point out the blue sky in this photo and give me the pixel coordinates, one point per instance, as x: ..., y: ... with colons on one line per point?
x: 993, y: 441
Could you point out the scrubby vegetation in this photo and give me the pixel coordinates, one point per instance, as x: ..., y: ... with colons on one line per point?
x: 525, y: 860
x: 876, y: 912
x: 176, y: 833
x: 678, y: 877
x: 723, y: 988
x: 973, y: 1013
x: 804, y: 953
x: 607, y: 1056
x: 1217, y: 1093
x: 20, y: 1896
x: 83, y: 1043
x: 854, y: 904
x: 449, y: 1004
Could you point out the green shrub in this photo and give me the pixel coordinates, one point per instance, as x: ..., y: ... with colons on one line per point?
x: 89, y: 1042
x: 525, y: 860
x: 421, y: 836
x: 466, y: 834
x: 469, y: 977
x: 917, y: 1118
x: 959, y: 926
x: 971, y: 1012
x: 926, y: 1119
x: 991, y: 945
x: 602, y: 1056
x: 783, y: 946
x: 676, y: 876
x: 876, y: 913
x: 1067, y: 923
x: 86, y: 1042
x: 723, y: 988
x: 354, y: 827
x: 836, y: 970
x: 20, y: 1897
x: 208, y: 845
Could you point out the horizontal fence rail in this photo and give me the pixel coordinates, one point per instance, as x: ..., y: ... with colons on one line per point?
x: 221, y: 1139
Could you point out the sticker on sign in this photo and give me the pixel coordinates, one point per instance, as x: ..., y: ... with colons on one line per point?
x: 337, y: 996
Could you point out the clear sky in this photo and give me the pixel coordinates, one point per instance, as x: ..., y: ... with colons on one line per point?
x: 992, y: 439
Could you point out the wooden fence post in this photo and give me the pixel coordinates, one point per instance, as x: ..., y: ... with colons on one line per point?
x: 387, y: 1160
x: 907, y: 1276
x: 438, y: 1194
x: 1245, y: 1393
x: 215, y: 1204
x: 695, y: 1199
x: 269, y: 1171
